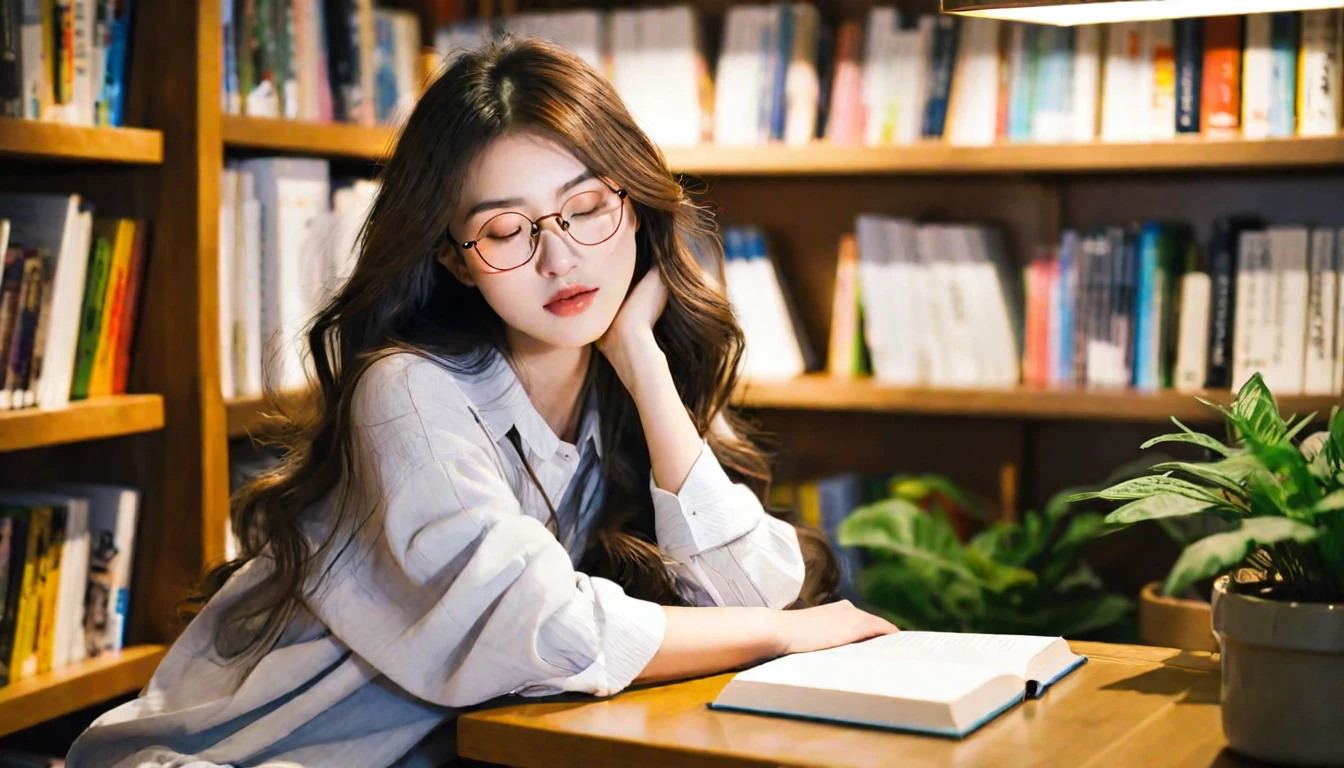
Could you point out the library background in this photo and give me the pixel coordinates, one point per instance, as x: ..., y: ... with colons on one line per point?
x: 978, y: 264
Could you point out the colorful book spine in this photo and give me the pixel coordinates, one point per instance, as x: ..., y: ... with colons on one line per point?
x: 91, y: 314
x: 1284, y: 41
x: 1221, y: 107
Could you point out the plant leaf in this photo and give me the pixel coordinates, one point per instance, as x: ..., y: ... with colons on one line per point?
x: 1219, y: 553
x: 1156, y: 507
x: 1142, y: 487
x: 1214, y: 474
x: 1188, y: 435
x: 1301, y: 425
x: 1332, y: 503
x: 1256, y: 406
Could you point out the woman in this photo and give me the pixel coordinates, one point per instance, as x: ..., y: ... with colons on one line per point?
x: 521, y: 476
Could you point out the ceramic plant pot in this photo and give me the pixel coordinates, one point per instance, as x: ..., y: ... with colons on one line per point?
x: 1174, y: 622
x: 1283, y: 677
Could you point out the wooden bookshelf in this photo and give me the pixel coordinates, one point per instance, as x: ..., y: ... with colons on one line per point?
x: 931, y: 158
x: 34, y: 139
x: 306, y: 138
x: 71, y: 688
x: 254, y: 415
x: 81, y: 420
x: 822, y: 393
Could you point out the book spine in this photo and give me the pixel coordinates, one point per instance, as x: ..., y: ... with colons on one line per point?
x: 1319, y: 74
x: 44, y: 321
x: 20, y: 525
x: 1321, y: 322
x: 44, y: 645
x: 941, y: 62
x: 1144, y: 375
x: 11, y: 281
x: 1221, y: 108
x: 30, y: 596
x: 118, y: 65
x: 1257, y: 77
x: 781, y: 56
x: 114, y: 294
x: 91, y: 315
x: 25, y: 328
x: 1189, y: 74
x: 11, y: 58
x: 1223, y: 279
x: 1284, y: 37
x: 130, y: 311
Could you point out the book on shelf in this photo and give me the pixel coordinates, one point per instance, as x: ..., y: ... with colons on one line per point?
x: 65, y: 62
x: 65, y: 569
x: 69, y: 300
x: 777, y: 348
x: 319, y: 60
x: 946, y: 684
x: 785, y: 74
x: 288, y: 240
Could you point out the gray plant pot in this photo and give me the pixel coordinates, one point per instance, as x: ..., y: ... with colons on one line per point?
x: 1283, y: 677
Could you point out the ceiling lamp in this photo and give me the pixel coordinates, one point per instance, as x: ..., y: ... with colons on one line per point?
x: 1067, y: 13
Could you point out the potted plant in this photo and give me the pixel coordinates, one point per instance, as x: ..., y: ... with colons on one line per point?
x: 928, y: 569
x: 1278, y: 601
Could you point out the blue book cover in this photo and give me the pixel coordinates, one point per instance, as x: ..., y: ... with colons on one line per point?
x: 1066, y: 298
x: 1189, y: 73
x: 1145, y: 321
x: 1283, y: 42
x: 839, y: 495
x: 783, y: 53
x: 941, y: 63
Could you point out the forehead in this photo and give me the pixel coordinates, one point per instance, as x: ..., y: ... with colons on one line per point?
x: 524, y: 165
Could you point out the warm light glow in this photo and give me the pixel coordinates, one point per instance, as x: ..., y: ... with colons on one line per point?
x: 1068, y: 14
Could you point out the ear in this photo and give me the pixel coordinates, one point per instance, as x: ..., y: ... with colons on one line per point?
x: 457, y: 266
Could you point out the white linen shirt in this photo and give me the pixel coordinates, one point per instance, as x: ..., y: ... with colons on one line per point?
x: 455, y: 593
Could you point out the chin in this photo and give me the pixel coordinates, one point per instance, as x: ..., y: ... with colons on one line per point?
x: 572, y: 332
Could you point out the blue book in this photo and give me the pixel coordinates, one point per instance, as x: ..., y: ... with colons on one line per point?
x: 942, y: 59
x: 1283, y: 43
x: 783, y: 53
x: 1145, y: 321
x: 1066, y: 288
x: 938, y: 683
x: 838, y: 495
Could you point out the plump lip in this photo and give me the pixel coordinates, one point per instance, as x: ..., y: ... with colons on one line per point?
x: 571, y: 300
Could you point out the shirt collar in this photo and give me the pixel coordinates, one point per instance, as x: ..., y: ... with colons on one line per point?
x: 503, y: 404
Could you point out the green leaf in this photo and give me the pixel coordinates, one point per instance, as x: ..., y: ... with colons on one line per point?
x: 1142, y: 487
x: 1256, y: 406
x: 1188, y: 435
x: 1332, y: 503
x: 1155, y: 508
x: 997, y: 577
x: 1301, y: 425
x: 1212, y: 473
x: 1221, y: 552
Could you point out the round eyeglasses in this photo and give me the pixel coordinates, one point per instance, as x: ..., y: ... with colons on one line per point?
x: 509, y: 240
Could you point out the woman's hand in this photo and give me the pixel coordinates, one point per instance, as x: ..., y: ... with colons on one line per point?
x: 826, y: 626
x: 628, y: 343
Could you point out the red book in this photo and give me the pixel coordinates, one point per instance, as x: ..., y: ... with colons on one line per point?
x: 1220, y: 107
x: 130, y: 304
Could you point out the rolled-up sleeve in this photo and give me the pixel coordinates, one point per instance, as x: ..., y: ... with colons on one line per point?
x: 453, y: 593
x: 726, y: 549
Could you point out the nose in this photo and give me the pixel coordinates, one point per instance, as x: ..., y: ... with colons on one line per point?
x: 555, y: 251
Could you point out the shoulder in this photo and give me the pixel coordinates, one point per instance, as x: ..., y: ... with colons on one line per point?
x: 406, y: 395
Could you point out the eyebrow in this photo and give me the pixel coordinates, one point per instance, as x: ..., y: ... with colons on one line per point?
x: 514, y: 202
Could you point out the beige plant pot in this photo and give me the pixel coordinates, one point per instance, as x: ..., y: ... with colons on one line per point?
x: 1174, y: 622
x: 1283, y: 677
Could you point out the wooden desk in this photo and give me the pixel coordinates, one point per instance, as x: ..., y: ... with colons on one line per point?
x: 1128, y: 706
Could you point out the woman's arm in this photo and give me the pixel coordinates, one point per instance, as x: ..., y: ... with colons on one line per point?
x: 727, y: 549
x: 702, y: 641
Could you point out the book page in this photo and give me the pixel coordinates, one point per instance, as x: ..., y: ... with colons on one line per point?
x: 1006, y: 653
x: 894, y: 677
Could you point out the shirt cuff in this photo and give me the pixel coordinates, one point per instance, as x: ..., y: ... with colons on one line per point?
x: 628, y: 632
x: 709, y: 511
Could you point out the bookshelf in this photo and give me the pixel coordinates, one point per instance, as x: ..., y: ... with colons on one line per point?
x: 32, y: 140
x: 819, y: 392
x: 82, y: 420
x: 76, y: 686
x: 820, y: 159
x: 335, y: 140
x: 253, y: 415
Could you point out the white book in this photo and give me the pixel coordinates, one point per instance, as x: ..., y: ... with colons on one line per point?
x: 952, y: 292
x: 81, y: 81
x: 112, y: 514
x: 733, y: 94
x: 35, y: 73
x: 870, y: 232
x: 1318, y: 96
x: 1252, y: 251
x: 1086, y: 81
x: 801, y: 84
x: 247, y: 297
x: 1288, y: 247
x: 69, y: 638
x: 907, y: 331
x: 1193, y: 332
x: 4, y: 237
x: 52, y: 222
x: 1318, y: 376
x: 228, y: 195
x: 930, y: 682
x: 1162, y: 60
x: 1337, y: 377
x: 999, y: 306
x: 1257, y: 77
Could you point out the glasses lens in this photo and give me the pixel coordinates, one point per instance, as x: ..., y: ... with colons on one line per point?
x: 505, y: 241
x: 593, y: 216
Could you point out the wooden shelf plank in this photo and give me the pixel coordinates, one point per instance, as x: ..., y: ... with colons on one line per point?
x: 936, y: 158
x: 307, y: 138
x: 38, y: 140
x: 930, y: 158
x: 254, y: 415
x: 81, y: 420
x: 822, y: 393
x: 71, y: 688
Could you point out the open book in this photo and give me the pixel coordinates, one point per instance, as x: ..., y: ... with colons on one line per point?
x: 929, y: 682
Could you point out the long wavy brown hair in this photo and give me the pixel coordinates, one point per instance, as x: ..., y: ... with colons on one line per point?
x: 399, y: 298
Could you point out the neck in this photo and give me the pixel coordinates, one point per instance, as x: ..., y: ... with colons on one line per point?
x: 553, y: 379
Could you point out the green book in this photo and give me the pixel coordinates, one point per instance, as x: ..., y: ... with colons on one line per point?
x: 91, y: 316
